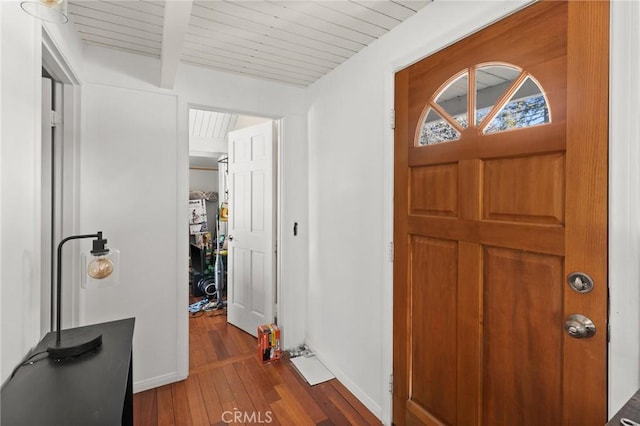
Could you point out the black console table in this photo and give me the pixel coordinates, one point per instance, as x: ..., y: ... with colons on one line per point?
x: 92, y: 389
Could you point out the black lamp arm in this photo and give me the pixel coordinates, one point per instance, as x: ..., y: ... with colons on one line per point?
x: 59, y: 278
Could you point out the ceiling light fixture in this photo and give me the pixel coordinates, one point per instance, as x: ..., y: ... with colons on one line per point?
x: 48, y: 10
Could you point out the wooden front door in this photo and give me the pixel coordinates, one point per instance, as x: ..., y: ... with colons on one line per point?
x: 501, y: 194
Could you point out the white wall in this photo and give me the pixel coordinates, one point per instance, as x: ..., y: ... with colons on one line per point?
x: 203, y: 180
x: 624, y: 204
x: 149, y: 132
x: 248, y: 121
x: 19, y: 185
x: 21, y: 54
x: 199, y: 145
x: 129, y: 191
x: 69, y: 47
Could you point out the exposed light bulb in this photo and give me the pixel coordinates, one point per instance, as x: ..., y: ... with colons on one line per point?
x: 51, y: 3
x: 100, y: 267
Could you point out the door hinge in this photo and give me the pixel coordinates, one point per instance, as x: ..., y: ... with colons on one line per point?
x: 54, y: 118
x: 391, y: 252
x: 393, y: 118
x: 391, y: 384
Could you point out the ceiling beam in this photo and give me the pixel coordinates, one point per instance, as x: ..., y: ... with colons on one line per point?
x: 176, y: 23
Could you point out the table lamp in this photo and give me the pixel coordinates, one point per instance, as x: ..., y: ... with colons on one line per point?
x: 101, y: 264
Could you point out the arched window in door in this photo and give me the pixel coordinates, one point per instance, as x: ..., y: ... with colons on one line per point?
x: 486, y: 98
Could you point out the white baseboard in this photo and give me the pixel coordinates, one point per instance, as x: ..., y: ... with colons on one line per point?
x: 156, y: 382
x: 362, y: 396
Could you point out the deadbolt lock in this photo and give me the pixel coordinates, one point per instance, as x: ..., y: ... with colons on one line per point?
x: 579, y: 326
x: 580, y: 282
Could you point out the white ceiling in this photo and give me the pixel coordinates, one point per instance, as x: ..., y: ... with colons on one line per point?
x: 210, y: 124
x: 211, y: 128
x: 294, y: 42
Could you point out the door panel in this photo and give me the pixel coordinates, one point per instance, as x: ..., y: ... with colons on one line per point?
x: 242, y: 209
x: 443, y: 202
x: 524, y: 189
x: 433, y: 317
x: 258, y: 202
x: 522, y: 340
x: 489, y: 225
x: 259, y: 281
x: 241, y: 263
x: 251, y: 258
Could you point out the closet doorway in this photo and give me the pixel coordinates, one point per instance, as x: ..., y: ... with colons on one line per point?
x: 233, y: 216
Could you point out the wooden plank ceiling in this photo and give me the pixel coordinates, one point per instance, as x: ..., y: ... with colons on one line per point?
x: 294, y: 42
x: 211, y: 124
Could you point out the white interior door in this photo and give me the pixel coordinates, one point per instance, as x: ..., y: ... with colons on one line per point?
x: 251, y: 237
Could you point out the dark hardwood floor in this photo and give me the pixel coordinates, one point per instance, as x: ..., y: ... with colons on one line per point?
x: 228, y: 384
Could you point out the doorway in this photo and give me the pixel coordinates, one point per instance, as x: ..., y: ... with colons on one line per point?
x: 236, y: 188
x: 490, y: 321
